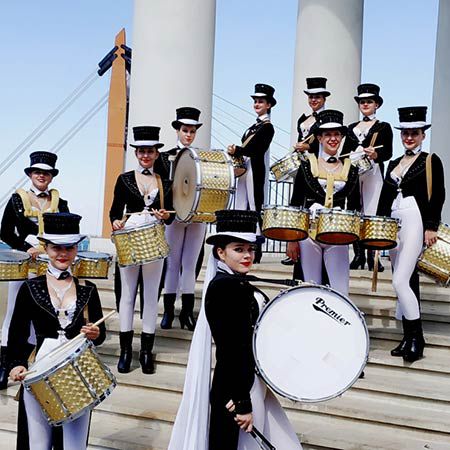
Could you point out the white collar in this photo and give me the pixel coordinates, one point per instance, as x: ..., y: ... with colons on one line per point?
x: 221, y: 265
x: 319, y: 110
x: 371, y: 117
x: 36, y: 191
x: 54, y: 272
x: 180, y: 145
x: 416, y: 150
x: 325, y: 156
x: 263, y: 117
x: 141, y: 169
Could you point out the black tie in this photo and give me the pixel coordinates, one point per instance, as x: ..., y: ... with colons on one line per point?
x: 366, y: 119
x: 315, y: 114
x: 258, y: 120
x: 64, y: 275
x: 42, y: 195
x: 146, y: 172
x: 409, y: 153
x: 331, y: 159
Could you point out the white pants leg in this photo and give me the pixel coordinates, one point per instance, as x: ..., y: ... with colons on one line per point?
x: 129, y: 278
x: 311, y: 260
x: 40, y: 432
x: 193, y: 241
x: 370, y: 184
x: 151, y: 273
x: 404, y: 259
x: 175, y: 235
x: 241, y: 197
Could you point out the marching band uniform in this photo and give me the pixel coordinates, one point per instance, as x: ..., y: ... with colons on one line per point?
x: 310, y: 191
x: 54, y: 326
x: 21, y: 223
x: 228, y: 299
x: 185, y: 241
x: 361, y: 136
x: 131, y: 194
x: 404, y: 196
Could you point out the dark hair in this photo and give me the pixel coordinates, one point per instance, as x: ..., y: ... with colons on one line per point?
x: 224, y: 241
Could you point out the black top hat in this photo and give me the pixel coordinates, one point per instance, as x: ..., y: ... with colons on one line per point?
x: 330, y: 119
x: 235, y: 225
x: 413, y: 117
x: 146, y: 136
x: 187, y: 116
x: 371, y: 91
x: 265, y: 91
x: 61, y: 229
x: 316, y: 85
x: 42, y: 160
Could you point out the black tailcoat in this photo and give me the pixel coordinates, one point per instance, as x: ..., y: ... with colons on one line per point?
x: 314, y: 144
x: 162, y: 164
x: 414, y: 184
x: 16, y: 227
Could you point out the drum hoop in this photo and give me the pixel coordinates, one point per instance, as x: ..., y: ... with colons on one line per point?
x: 341, y: 212
x: 266, y: 378
x: 26, y: 256
x: 380, y: 219
x: 138, y: 228
x: 286, y: 208
x: 106, y: 257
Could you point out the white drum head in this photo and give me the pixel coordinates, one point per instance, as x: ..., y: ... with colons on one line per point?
x: 310, y: 343
x: 185, y: 183
x: 13, y: 256
x: 93, y: 256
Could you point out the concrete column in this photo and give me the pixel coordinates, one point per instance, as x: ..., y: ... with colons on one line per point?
x: 329, y: 44
x: 441, y: 98
x: 173, y: 58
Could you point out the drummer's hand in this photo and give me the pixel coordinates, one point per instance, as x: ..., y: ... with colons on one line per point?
x: 371, y: 153
x: 17, y: 372
x: 293, y: 251
x: 91, y: 331
x: 430, y: 237
x: 117, y: 225
x: 231, y: 149
x: 160, y: 214
x: 245, y: 421
x: 34, y: 252
x: 301, y: 147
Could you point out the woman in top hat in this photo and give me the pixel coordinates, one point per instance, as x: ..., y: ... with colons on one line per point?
x: 21, y: 224
x: 312, y: 190
x: 239, y: 399
x: 185, y: 239
x: 405, y: 196
x: 361, y: 139
x: 316, y: 90
x: 59, y: 308
x: 141, y: 193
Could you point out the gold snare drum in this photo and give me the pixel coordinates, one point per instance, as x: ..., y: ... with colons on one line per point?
x: 435, y: 260
x: 140, y: 245
x: 203, y: 183
x: 285, y: 223
x: 41, y: 264
x: 337, y: 227
x: 239, y: 165
x: 286, y: 167
x: 14, y: 265
x: 69, y: 382
x: 93, y: 265
x: 378, y: 233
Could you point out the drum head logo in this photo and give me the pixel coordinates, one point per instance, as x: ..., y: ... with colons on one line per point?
x: 321, y: 306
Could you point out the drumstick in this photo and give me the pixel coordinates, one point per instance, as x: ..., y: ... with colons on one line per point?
x: 348, y: 154
x: 304, y: 141
x: 147, y: 212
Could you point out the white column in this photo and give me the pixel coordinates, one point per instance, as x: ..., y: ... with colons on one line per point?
x: 441, y: 98
x: 328, y: 44
x: 173, y: 58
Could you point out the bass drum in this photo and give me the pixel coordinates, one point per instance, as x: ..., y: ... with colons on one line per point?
x: 310, y: 343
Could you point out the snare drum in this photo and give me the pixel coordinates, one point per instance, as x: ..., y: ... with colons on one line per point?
x: 41, y: 264
x: 14, y: 265
x: 285, y: 223
x: 93, y: 265
x: 363, y: 164
x: 239, y: 165
x: 379, y: 233
x: 310, y: 343
x: 69, y: 382
x: 203, y: 183
x: 337, y: 227
x: 435, y: 260
x: 286, y: 167
x: 140, y: 245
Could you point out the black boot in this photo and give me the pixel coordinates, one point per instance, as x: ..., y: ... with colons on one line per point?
x: 145, y: 355
x: 187, y: 312
x: 371, y: 261
x: 415, y: 342
x: 359, y: 260
x: 400, y: 349
x: 4, y: 368
x: 126, y: 351
x: 169, y: 311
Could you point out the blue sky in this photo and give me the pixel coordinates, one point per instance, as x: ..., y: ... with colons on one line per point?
x: 52, y: 46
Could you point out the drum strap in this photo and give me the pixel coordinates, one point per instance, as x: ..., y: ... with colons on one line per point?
x: 286, y: 282
x: 251, y: 136
x: 161, y: 190
x: 429, y: 173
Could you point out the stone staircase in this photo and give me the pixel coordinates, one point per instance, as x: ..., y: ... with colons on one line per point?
x: 396, y: 406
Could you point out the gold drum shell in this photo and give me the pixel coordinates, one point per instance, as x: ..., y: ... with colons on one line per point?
x: 93, y: 265
x: 286, y: 167
x: 378, y: 233
x: 40, y: 265
x: 285, y: 223
x: 14, y: 265
x: 337, y: 227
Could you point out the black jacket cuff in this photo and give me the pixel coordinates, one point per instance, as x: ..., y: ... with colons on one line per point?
x: 243, y: 406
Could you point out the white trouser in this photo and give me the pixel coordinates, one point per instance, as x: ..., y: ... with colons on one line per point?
x: 151, y: 274
x: 13, y: 289
x: 370, y: 184
x: 336, y: 261
x: 185, y: 241
x: 404, y: 256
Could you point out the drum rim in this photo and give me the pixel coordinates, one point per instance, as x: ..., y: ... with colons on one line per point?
x: 342, y: 212
x: 81, y: 257
x: 366, y: 243
x: 286, y: 208
x: 138, y: 228
x: 337, y: 232
x: 285, y: 228
x: 266, y: 378
x: 26, y: 256
x: 380, y: 219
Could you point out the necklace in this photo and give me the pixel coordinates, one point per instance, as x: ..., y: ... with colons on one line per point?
x: 328, y: 169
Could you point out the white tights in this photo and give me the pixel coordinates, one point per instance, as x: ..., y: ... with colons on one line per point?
x: 185, y: 241
x: 75, y: 433
x: 336, y: 261
x: 151, y: 274
x: 370, y: 184
x: 404, y: 256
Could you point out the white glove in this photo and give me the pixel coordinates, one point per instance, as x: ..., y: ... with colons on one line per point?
x: 32, y: 240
